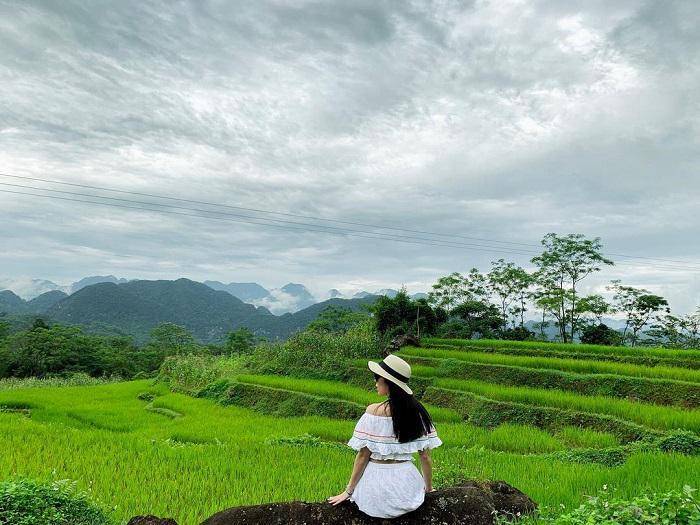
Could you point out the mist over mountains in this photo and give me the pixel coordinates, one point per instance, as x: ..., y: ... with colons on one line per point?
x: 134, y: 308
x: 290, y: 298
x: 209, y: 310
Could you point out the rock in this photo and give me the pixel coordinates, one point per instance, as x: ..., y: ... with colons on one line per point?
x: 399, y: 341
x: 151, y: 520
x: 473, y: 503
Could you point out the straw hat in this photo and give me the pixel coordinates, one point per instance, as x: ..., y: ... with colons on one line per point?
x: 393, y: 369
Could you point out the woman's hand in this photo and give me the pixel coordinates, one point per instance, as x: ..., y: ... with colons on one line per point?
x: 339, y: 498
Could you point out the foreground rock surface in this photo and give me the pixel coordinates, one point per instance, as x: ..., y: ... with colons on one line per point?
x: 471, y: 503
x: 151, y: 520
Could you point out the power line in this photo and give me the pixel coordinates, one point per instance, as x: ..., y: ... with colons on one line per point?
x: 501, y: 249
x: 291, y: 226
x: 445, y: 244
x: 395, y: 228
x: 372, y: 235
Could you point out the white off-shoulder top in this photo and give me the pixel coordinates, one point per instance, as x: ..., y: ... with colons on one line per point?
x: 377, y: 434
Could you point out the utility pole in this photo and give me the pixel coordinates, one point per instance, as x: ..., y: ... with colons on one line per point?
x: 417, y: 323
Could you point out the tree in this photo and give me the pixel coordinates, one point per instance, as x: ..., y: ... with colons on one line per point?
x: 479, y: 319
x: 597, y: 306
x: 4, y: 329
x: 241, y: 341
x: 338, y: 320
x: 563, y: 264
x: 667, y: 330
x: 449, y: 291
x: 638, y: 305
x: 477, y: 286
x: 676, y: 332
x: 550, y: 301
x: 502, y: 283
x: 691, y: 327
x: 402, y: 315
x: 172, y: 339
x: 601, y: 334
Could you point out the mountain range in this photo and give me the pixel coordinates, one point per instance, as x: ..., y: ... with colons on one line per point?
x: 292, y: 297
x: 136, y: 307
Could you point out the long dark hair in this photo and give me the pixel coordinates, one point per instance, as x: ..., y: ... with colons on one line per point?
x: 411, y: 419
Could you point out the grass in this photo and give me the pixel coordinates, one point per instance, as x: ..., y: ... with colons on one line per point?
x: 139, y: 448
x: 568, y: 347
x: 213, y: 457
x: 652, y: 416
x: 333, y: 389
x: 582, y: 366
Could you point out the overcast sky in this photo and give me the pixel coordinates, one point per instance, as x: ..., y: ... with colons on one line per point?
x: 501, y: 120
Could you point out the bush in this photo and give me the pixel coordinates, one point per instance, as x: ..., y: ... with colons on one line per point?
x: 677, y: 507
x: 455, y: 329
x: 317, y: 354
x: 191, y: 373
x: 682, y: 441
x: 26, y: 502
x: 58, y: 350
x: 519, y: 333
x: 601, y: 335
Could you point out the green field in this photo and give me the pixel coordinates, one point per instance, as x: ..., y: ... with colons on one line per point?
x: 138, y: 447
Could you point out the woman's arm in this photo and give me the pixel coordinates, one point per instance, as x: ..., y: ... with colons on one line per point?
x: 426, y: 465
x: 358, y: 468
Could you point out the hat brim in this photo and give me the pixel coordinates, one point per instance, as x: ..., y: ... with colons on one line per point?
x: 374, y: 367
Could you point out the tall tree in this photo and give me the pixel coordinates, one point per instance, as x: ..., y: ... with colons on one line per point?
x: 638, y: 305
x: 595, y: 306
x: 240, y: 341
x: 172, y: 339
x: 449, y: 291
x: 509, y: 284
x: 564, y: 263
x: 338, y: 320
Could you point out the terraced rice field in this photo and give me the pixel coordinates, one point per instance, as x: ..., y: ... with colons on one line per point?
x: 554, y: 426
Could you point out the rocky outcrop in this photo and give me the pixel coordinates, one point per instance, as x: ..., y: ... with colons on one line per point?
x: 400, y: 341
x: 473, y: 503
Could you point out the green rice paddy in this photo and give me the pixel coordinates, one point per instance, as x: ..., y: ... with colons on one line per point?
x: 138, y: 447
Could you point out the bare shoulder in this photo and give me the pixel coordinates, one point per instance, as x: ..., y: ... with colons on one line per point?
x: 379, y: 409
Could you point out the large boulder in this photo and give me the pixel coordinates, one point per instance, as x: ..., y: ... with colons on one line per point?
x: 473, y: 503
x: 151, y: 520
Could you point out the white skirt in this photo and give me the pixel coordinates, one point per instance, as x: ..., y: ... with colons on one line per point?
x: 387, y: 490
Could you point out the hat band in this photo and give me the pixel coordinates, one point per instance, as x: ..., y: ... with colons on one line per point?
x: 393, y: 372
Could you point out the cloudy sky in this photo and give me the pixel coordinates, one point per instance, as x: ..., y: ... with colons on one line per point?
x: 498, y: 120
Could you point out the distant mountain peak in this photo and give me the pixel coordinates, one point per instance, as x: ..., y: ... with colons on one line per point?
x: 95, y: 279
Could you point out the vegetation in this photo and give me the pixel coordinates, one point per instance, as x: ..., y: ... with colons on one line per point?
x: 26, y: 502
x: 557, y: 420
x: 680, y: 507
x: 231, y: 457
x: 471, y: 303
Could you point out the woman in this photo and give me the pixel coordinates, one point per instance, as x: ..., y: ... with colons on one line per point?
x: 384, y: 482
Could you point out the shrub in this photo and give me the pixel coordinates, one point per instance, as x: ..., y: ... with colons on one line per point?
x: 26, y: 502
x: 682, y: 441
x: 674, y: 507
x: 519, y: 333
x: 316, y: 354
x: 677, y: 507
x: 191, y: 373
x: 601, y: 334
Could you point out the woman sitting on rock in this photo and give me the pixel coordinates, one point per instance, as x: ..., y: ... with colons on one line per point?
x: 384, y: 482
